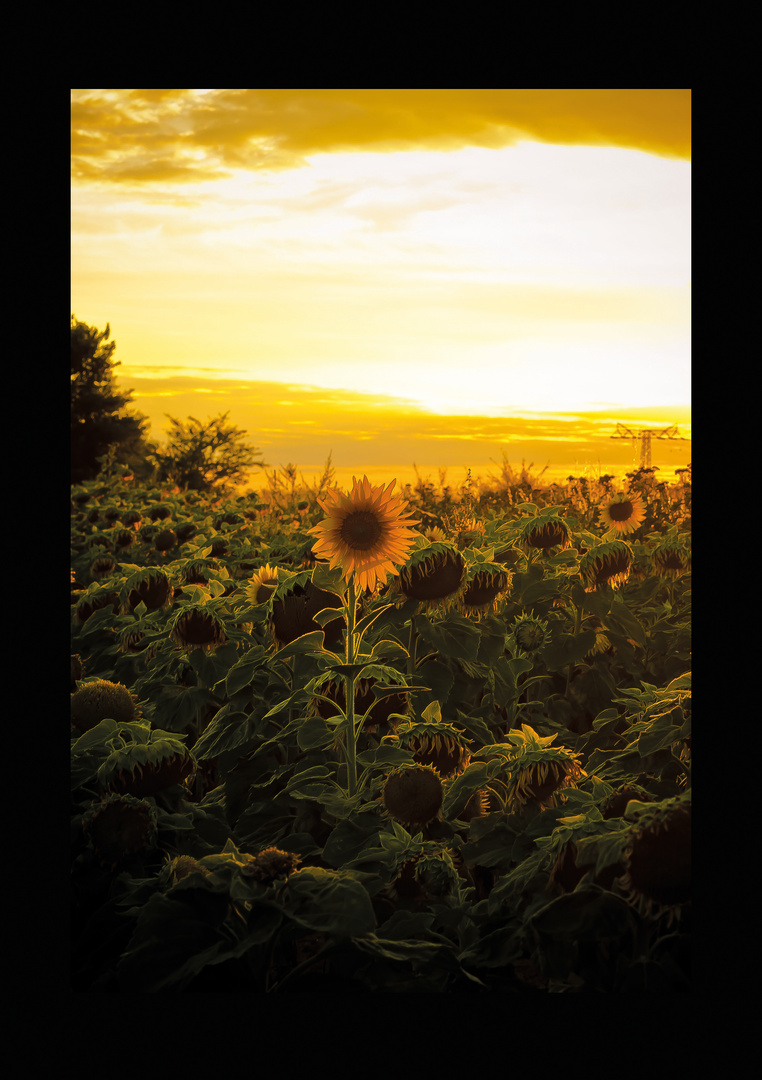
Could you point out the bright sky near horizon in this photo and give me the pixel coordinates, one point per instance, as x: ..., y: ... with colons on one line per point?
x: 392, y: 275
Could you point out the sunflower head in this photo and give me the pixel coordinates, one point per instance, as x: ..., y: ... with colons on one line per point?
x: 437, y: 744
x: 102, y: 566
x: 194, y: 627
x: 262, y: 585
x: 433, y: 574
x: 545, y: 532
x: 484, y: 584
x: 101, y: 700
x: 365, y: 533
x: 623, y: 514
x: 658, y: 859
x: 608, y: 563
x: 293, y: 609
x: 413, y: 794
x: 119, y: 827
x: 179, y: 867
x: 381, y: 708
x: 672, y: 558
x: 271, y: 864
x: 150, y: 586
x: 527, y: 635
x: 538, y: 772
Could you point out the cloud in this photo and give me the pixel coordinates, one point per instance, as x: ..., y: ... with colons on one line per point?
x: 304, y: 424
x: 177, y: 136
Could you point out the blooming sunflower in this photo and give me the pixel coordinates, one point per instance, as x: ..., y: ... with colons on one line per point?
x: 623, y: 514
x: 365, y: 533
x: 262, y: 585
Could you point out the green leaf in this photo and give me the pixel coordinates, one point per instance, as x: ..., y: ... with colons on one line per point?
x: 388, y: 650
x: 314, y: 733
x: 454, y: 636
x: 310, y: 644
x: 313, y: 772
x: 460, y: 789
x: 330, y: 901
x: 242, y: 673
x: 227, y: 730
x: 367, y: 620
x: 621, y: 618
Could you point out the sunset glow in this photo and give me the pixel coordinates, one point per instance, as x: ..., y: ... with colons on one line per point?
x: 394, y: 276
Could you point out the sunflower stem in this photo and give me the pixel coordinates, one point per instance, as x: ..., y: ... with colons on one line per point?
x: 577, y: 628
x: 349, y: 692
x: 411, y: 647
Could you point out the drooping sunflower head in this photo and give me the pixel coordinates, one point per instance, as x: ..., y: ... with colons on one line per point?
x: 433, y: 574
x: 527, y: 635
x: 293, y: 608
x: 658, y: 858
x: 365, y: 533
x: 150, y: 586
x: 437, y: 744
x: 380, y: 720
x: 538, y: 771
x: 102, y: 566
x: 144, y: 761
x: 623, y: 514
x: 195, y: 627
x: 483, y: 586
x: 262, y: 585
x: 119, y: 827
x: 546, y: 532
x: 672, y: 558
x: 608, y: 563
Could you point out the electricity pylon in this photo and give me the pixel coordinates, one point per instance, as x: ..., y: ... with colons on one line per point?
x: 644, y: 437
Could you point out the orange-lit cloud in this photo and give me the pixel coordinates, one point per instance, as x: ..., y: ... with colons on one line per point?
x: 360, y: 431
x: 172, y: 136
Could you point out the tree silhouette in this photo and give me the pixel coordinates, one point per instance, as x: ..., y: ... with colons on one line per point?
x: 98, y: 419
x: 199, y: 456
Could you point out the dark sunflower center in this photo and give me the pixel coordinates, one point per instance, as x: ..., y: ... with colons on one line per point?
x: 621, y: 511
x: 361, y: 530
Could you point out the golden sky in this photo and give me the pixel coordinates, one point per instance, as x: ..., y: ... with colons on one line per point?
x: 422, y: 274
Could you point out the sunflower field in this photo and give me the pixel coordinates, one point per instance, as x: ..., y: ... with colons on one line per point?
x: 437, y: 741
